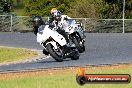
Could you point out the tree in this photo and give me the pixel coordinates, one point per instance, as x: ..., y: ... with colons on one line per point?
x: 43, y: 7
x: 112, y: 9
x: 105, y: 9
x: 5, y: 6
x: 86, y: 8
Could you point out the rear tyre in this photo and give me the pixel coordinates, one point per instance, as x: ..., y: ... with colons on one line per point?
x: 75, y: 56
x: 53, y: 53
x: 45, y: 52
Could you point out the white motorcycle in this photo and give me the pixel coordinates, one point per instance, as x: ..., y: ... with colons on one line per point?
x: 75, y: 34
x: 55, y: 44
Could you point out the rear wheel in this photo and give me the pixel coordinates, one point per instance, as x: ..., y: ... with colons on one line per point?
x: 45, y: 52
x: 75, y: 56
x: 56, y: 54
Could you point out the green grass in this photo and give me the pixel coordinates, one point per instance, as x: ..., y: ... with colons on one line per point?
x: 67, y: 80
x: 8, y: 54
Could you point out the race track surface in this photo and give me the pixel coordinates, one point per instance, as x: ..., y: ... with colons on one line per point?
x: 101, y: 48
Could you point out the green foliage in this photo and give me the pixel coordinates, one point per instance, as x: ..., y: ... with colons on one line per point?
x: 97, y: 9
x: 128, y: 9
x: 43, y: 7
x: 5, y: 6
x: 104, y: 9
x: 1, y: 8
x: 112, y: 10
x: 86, y: 8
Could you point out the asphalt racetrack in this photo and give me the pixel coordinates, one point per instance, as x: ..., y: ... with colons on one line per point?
x: 101, y: 48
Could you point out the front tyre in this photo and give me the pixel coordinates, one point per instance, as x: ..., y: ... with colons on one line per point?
x: 53, y: 53
x: 79, y: 47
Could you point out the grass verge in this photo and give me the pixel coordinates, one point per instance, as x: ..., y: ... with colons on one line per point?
x: 8, y: 54
x: 61, y: 78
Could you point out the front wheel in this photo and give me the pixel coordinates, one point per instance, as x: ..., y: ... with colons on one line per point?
x: 56, y: 54
x: 79, y: 46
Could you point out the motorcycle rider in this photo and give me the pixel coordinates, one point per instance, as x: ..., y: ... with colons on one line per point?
x: 58, y: 20
x: 51, y: 17
x: 61, y: 22
x: 57, y: 17
x: 37, y: 23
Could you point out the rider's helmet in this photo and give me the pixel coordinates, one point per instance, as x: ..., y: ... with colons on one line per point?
x: 53, y: 10
x: 57, y: 15
x: 37, y: 21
